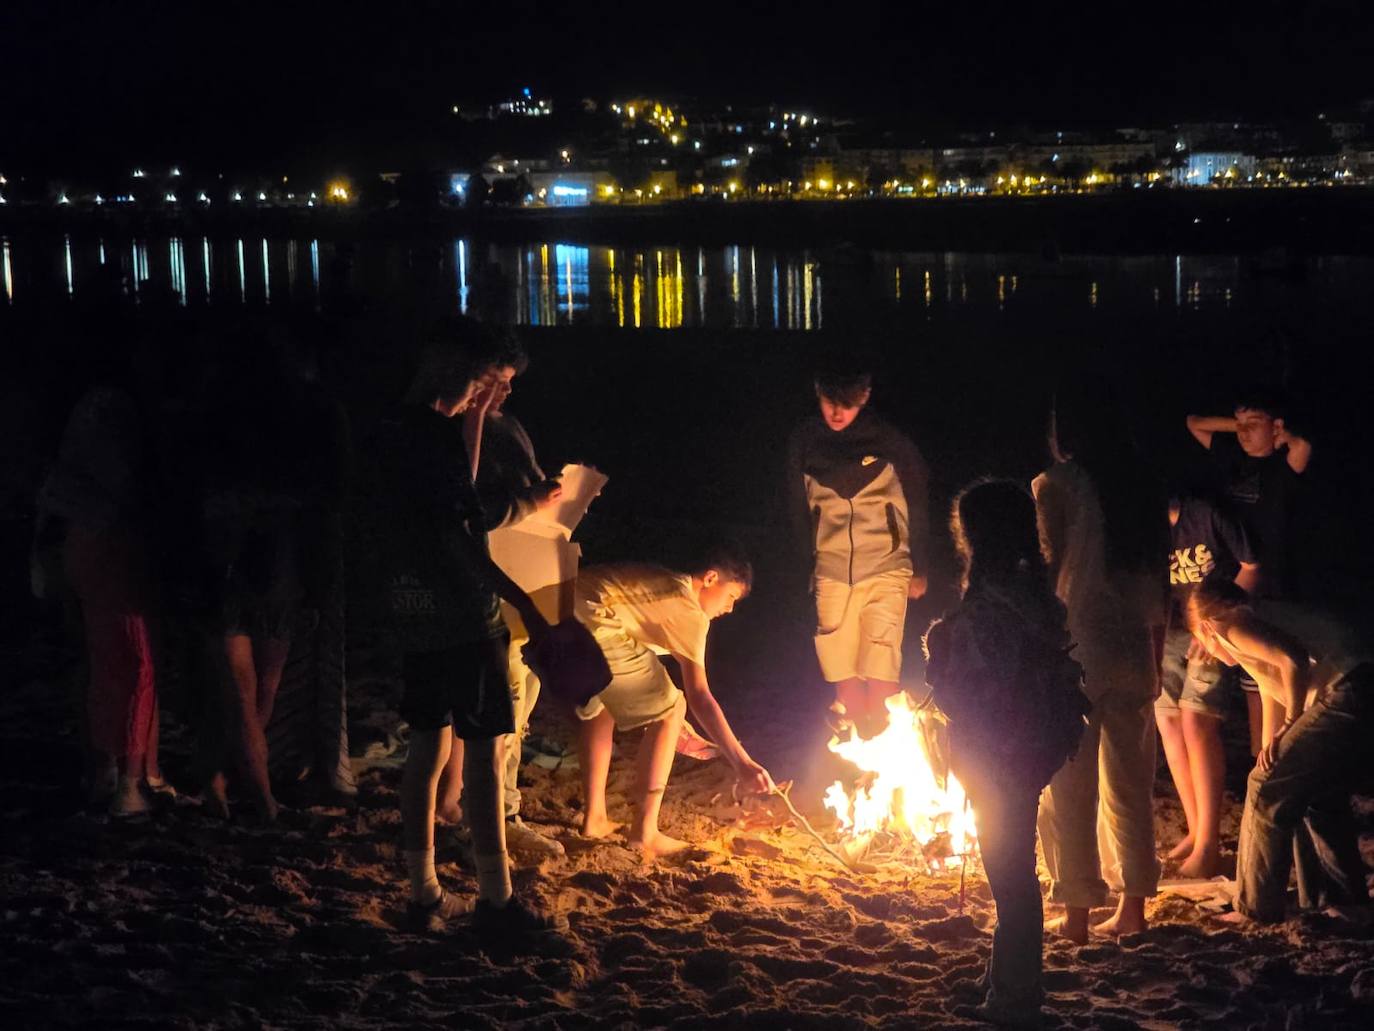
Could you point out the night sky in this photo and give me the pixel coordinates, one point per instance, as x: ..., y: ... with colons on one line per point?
x: 126, y: 80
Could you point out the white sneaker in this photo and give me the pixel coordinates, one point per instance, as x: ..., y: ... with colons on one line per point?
x: 521, y: 837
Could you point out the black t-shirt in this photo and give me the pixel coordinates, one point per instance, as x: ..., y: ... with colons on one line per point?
x: 1207, y: 544
x: 1262, y: 493
x: 425, y: 499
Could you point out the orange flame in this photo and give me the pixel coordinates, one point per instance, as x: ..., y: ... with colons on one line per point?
x: 900, y: 792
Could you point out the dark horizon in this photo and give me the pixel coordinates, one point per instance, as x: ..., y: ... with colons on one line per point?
x: 97, y: 84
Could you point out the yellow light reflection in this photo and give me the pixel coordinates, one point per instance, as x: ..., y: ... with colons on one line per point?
x: 617, y: 294
x: 637, y: 288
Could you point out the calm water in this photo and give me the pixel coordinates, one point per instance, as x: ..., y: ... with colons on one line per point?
x: 546, y: 284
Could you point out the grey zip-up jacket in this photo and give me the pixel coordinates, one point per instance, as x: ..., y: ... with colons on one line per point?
x: 858, y: 499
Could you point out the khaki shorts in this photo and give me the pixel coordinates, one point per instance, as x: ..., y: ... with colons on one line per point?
x: 859, y: 628
x: 640, y: 691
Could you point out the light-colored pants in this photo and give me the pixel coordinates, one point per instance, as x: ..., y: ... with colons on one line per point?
x: 1115, y: 764
x: 524, y: 692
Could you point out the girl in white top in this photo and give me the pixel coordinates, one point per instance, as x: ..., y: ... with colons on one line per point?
x: 1104, y: 525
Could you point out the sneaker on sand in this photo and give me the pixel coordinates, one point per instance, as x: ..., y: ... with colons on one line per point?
x: 514, y: 920
x: 522, y: 838
x: 434, y: 916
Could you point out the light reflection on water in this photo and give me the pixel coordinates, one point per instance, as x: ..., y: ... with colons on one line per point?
x: 663, y: 287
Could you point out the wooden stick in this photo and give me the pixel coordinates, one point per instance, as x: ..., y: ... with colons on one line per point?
x: 806, y: 826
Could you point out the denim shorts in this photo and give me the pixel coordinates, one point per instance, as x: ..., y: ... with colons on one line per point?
x: 1195, y: 684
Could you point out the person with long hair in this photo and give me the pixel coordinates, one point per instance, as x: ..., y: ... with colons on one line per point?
x: 1103, y: 526
x: 1000, y: 670
x: 1319, y: 678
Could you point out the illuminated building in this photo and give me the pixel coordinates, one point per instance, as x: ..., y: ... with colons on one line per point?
x: 1204, y: 167
x: 525, y: 105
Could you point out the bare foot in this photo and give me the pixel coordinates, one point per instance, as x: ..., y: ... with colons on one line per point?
x: 129, y: 799
x: 1073, y: 926
x: 217, y: 796
x: 658, y: 845
x: 451, y: 815
x: 600, y: 827
x: 1127, y: 920
x: 1203, y: 863
x: 1183, y: 849
x: 268, y: 810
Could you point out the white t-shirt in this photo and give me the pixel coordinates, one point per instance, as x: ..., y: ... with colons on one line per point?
x: 654, y: 607
x: 1094, y: 596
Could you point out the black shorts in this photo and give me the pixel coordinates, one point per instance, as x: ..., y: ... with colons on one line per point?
x: 465, y: 686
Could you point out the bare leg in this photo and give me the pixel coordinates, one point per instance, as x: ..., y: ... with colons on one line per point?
x: 1128, y: 919
x: 1202, y: 733
x: 655, y: 764
x: 250, y: 743
x: 1176, y: 752
x: 426, y: 757
x: 1073, y: 925
x: 483, y: 763
x: 129, y: 797
x: 852, y: 697
x: 594, y: 739
x: 448, y: 809
x: 270, y: 659
x: 152, y: 768
x: 879, y: 691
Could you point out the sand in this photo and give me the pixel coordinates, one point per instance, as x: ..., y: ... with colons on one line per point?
x: 183, y: 921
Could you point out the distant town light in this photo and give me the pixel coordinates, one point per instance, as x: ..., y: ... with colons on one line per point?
x: 175, y: 170
x: 63, y: 199
x: 564, y: 154
x: 238, y: 196
x: 261, y: 195
x: 99, y: 199
x: 560, y: 190
x: 170, y: 197
x: 139, y: 173
x: 696, y: 144
x: 338, y: 191
x: 733, y: 186
x: 202, y: 198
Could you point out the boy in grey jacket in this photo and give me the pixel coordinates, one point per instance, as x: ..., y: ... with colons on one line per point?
x: 858, y: 501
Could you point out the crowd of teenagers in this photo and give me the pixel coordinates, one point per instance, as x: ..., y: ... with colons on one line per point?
x: 201, y: 520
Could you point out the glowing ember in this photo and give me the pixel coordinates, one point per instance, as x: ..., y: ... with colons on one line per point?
x: 899, y: 792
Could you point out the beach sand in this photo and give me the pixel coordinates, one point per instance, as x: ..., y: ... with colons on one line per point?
x: 183, y: 921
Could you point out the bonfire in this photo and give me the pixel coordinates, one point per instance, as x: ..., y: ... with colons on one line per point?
x: 905, y: 805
